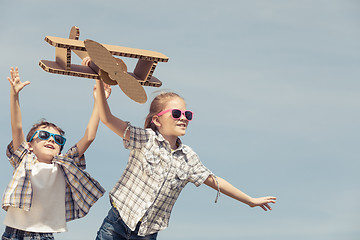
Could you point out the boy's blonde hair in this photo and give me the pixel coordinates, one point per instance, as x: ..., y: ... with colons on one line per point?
x: 157, y: 105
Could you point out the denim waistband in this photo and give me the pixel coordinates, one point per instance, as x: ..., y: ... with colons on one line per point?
x: 20, y: 233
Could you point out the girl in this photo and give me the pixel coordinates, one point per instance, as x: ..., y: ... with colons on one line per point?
x: 159, y: 167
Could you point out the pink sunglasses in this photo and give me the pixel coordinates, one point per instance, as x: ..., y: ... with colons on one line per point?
x: 176, y: 114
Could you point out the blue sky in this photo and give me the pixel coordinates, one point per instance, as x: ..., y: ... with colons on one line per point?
x: 274, y: 86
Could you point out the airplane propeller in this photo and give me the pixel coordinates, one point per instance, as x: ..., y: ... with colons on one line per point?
x: 115, y: 71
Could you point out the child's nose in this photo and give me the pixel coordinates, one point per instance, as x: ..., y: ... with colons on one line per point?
x: 182, y: 117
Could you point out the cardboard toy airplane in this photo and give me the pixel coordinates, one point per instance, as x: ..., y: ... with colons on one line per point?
x: 104, y: 66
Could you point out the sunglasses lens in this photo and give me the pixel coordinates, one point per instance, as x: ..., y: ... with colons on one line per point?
x: 59, y: 139
x: 188, y: 115
x: 43, y: 135
x: 176, y: 113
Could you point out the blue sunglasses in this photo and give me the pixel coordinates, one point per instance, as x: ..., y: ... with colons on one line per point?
x: 45, y: 135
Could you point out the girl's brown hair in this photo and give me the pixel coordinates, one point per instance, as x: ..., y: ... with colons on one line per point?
x: 157, y: 105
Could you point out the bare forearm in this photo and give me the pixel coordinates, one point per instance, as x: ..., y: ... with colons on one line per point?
x: 228, y: 189
x: 93, y: 124
x: 233, y: 192
x: 16, y: 119
x: 104, y: 110
x: 90, y: 132
x: 115, y: 124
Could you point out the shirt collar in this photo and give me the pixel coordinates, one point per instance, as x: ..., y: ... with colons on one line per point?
x: 180, y: 147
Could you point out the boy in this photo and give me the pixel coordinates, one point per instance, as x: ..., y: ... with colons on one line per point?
x: 47, y: 188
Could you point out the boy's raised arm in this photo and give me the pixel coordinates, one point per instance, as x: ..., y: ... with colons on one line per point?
x: 93, y: 124
x: 16, y: 120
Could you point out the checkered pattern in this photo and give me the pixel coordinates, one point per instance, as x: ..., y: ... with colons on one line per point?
x: 153, y: 180
x: 82, y: 191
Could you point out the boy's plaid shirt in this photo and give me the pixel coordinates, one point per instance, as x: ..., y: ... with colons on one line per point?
x: 82, y: 191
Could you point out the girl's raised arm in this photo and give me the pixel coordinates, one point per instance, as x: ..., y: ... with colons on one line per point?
x: 117, y: 125
x: 233, y: 192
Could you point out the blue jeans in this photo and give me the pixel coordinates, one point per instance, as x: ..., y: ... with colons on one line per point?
x: 16, y: 234
x: 114, y: 228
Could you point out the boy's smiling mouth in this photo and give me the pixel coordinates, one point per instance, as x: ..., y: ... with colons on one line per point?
x: 49, y: 146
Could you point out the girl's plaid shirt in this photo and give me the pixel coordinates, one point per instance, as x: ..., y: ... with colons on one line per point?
x: 82, y: 191
x: 153, y: 179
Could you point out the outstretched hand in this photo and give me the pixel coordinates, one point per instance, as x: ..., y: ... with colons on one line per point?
x: 15, y: 82
x: 263, y: 202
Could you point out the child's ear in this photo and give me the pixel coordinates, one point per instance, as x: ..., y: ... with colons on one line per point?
x: 30, y: 147
x: 155, y: 120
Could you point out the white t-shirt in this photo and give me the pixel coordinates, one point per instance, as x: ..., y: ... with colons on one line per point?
x: 47, y: 212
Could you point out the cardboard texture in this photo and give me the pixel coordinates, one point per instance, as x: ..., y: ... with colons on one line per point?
x: 105, y: 77
x: 106, y: 62
x: 75, y: 34
x: 129, y: 82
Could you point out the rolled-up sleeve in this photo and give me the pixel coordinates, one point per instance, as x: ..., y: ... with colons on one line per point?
x: 138, y: 137
x: 15, y: 157
x: 73, y: 153
x: 198, y: 172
